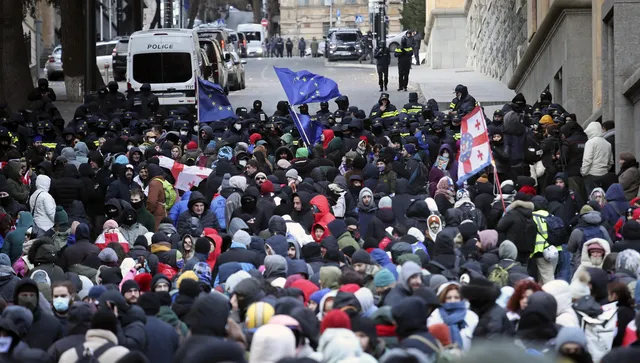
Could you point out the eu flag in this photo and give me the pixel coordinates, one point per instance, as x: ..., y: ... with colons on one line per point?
x: 213, y: 105
x: 306, y: 87
x: 309, y: 130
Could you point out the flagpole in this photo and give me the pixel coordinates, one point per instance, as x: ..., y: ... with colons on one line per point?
x: 299, y: 126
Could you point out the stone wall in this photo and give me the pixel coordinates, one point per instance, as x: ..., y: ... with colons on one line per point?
x: 496, y: 34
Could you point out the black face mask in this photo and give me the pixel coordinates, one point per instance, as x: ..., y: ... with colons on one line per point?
x: 111, y: 214
x: 136, y: 205
x: 5, y: 201
x: 129, y: 221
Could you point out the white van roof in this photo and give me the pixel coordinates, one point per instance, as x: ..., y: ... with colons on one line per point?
x: 163, y: 31
x: 249, y: 27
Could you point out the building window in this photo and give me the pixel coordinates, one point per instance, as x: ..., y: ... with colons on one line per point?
x: 350, y: 2
x: 303, y: 2
x: 325, y: 27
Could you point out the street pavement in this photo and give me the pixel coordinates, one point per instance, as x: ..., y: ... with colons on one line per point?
x: 359, y: 84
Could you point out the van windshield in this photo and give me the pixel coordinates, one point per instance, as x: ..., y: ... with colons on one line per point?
x: 162, y: 67
x: 253, y: 36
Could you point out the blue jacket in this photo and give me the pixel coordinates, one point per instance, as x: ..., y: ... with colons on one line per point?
x: 162, y: 340
x: 181, y: 207
x: 616, y: 202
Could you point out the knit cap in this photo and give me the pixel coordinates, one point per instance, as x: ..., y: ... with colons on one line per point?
x: 258, y: 314
x: 546, y: 120
x: 187, y: 275
x: 283, y: 164
x: 383, y: 278
x: 585, y: 209
x: 242, y: 237
x: 110, y: 224
x: 61, y: 218
x: 385, y: 202
x: 292, y: 173
x: 335, y: 319
x: 191, y: 145
x: 302, y: 152
x: 361, y: 256
x: 108, y: 255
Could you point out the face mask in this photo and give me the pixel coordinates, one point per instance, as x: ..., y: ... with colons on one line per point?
x: 596, y: 261
x: 237, y: 126
x: 61, y: 304
x: 381, y: 168
x: 195, y: 128
x: 136, y: 205
x: 5, y: 344
x: 445, y: 154
x: 29, y: 302
x: 184, y: 133
x: 242, y: 163
x: 152, y: 140
x: 129, y: 221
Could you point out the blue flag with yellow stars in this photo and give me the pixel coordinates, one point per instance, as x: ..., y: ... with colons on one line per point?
x: 306, y: 87
x: 310, y: 130
x: 213, y: 104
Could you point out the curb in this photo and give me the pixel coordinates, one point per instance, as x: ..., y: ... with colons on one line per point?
x: 348, y: 65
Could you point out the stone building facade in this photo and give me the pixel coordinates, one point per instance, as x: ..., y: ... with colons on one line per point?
x: 311, y: 18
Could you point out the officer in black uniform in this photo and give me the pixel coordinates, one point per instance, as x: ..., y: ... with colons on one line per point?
x: 383, y: 59
x: 413, y: 107
x: 404, y: 53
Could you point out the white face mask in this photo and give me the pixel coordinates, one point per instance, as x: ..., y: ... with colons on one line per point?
x: 152, y: 140
x: 184, y: 133
x: 5, y: 344
x: 445, y: 154
x: 195, y: 128
x: 129, y: 147
x: 242, y: 163
x: 237, y: 126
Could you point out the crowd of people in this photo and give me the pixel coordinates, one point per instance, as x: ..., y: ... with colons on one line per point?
x: 360, y: 248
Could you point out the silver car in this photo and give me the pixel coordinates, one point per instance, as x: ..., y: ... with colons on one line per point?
x: 53, y: 68
x: 236, y: 72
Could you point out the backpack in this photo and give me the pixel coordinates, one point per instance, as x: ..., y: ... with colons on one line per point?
x: 444, y: 354
x: 529, y: 232
x: 600, y: 330
x: 589, y: 233
x: 170, y: 195
x: 557, y: 234
x: 218, y: 205
x: 86, y: 355
x: 500, y: 275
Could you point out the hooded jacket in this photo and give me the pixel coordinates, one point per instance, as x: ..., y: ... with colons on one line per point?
x: 46, y: 328
x: 234, y: 201
x: 616, y: 206
x: 515, y: 136
x: 589, y: 220
x: 16, y: 189
x: 597, y: 157
x: 207, y: 219
x: 630, y: 238
x: 410, y: 316
x: 565, y: 315
x: 572, y: 148
x: 304, y: 216
x: 156, y: 196
x: 323, y: 216
x: 402, y: 289
x: 42, y: 204
x: 82, y: 252
x: 94, y: 339
x: 69, y: 188
x: 510, y: 226
x: 585, y: 261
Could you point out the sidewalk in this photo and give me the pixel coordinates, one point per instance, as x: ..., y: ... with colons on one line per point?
x: 67, y: 109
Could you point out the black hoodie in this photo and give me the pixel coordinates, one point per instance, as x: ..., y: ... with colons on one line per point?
x: 538, y: 321
x: 410, y: 316
x: 68, y: 188
x: 46, y: 329
x: 572, y: 148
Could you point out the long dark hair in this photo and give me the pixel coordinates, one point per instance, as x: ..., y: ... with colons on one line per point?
x: 622, y: 292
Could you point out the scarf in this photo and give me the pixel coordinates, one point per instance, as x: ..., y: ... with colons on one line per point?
x: 453, y: 315
x: 447, y: 193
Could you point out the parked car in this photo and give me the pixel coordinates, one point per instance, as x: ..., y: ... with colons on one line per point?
x: 235, y: 65
x: 53, y: 70
x: 393, y: 40
x: 217, y: 60
x: 120, y: 59
x: 345, y: 44
x: 218, y: 33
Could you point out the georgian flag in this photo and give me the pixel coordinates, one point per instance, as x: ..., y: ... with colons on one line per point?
x: 186, y: 176
x: 475, y: 150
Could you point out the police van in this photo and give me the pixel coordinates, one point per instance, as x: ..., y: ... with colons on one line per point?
x: 170, y: 61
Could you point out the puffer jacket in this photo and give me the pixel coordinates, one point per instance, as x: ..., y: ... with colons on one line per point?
x: 585, y: 261
x: 565, y: 315
x: 14, y: 240
x: 597, y: 157
x: 94, y: 339
x: 207, y: 219
x: 69, y: 188
x: 590, y: 220
x: 42, y: 205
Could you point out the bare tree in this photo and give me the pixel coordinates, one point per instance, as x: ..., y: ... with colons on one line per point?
x: 193, y: 12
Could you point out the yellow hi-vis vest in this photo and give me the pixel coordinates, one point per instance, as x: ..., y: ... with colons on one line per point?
x: 542, y: 236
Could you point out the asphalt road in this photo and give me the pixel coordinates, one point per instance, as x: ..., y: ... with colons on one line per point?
x: 359, y: 84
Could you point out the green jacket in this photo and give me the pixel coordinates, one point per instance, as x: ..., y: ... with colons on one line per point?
x: 146, y: 219
x: 168, y: 316
x: 345, y: 240
x: 389, y: 177
x: 15, y: 239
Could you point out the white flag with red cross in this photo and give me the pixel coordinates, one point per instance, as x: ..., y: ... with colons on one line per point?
x: 475, y: 149
x: 185, y: 176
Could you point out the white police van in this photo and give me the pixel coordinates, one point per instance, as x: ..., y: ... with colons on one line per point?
x: 170, y: 61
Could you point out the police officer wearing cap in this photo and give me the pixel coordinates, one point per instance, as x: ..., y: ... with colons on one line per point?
x: 466, y: 103
x: 413, y: 107
x: 404, y: 53
x: 256, y: 112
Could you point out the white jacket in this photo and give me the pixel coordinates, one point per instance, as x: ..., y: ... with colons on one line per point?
x: 597, y: 158
x: 42, y: 205
x: 471, y: 320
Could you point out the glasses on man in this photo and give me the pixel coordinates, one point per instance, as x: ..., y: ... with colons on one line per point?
x: 260, y: 178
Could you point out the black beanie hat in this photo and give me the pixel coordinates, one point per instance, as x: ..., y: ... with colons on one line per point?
x: 164, y: 297
x: 361, y: 256
x: 468, y: 230
x: 190, y: 288
x: 365, y: 325
x: 106, y: 320
x: 203, y: 245
x: 141, y: 240
x: 150, y: 303
x: 128, y: 285
x: 349, y: 250
x: 370, y: 242
x: 159, y: 237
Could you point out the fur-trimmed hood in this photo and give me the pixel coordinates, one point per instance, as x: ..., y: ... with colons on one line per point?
x: 520, y: 204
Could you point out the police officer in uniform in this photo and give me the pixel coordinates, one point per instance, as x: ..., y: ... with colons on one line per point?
x: 383, y: 59
x: 404, y: 53
x: 413, y: 107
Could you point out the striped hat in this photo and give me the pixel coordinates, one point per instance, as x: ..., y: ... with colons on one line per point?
x: 258, y: 314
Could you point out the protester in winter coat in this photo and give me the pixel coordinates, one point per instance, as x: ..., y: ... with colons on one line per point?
x: 629, y: 175
x: 301, y: 210
x: 162, y: 338
x: 15, y: 239
x: 630, y: 237
x: 46, y: 329
x: 594, y: 251
x: 493, y: 322
x: 589, y: 227
x: 597, y: 158
x: 508, y: 254
x: 80, y: 314
x: 68, y: 188
x: 129, y: 227
x: 42, y: 255
x: 83, y: 251
x: 565, y: 315
x: 42, y: 204
x: 271, y: 343
x: 198, y: 217
x: 537, y: 325
x: 16, y: 189
x: 409, y: 279
x: 156, y: 196
x: 454, y: 313
x: 410, y: 315
x: 616, y: 206
x: 511, y: 228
